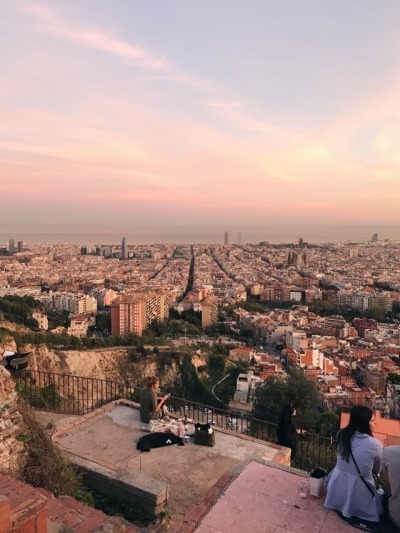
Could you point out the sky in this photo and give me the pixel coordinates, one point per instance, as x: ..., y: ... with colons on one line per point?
x: 124, y: 112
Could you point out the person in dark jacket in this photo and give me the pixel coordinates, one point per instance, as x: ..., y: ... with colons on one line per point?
x: 286, y: 432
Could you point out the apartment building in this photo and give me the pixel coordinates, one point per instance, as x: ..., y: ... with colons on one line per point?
x: 76, y: 304
x: 135, y: 312
x: 127, y: 315
x: 209, y: 311
x: 393, y: 399
x: 41, y: 319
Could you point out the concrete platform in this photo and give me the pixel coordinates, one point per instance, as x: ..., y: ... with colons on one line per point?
x: 265, y: 499
x: 107, y: 439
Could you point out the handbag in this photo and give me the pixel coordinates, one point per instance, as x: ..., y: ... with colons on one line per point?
x: 371, y: 490
x: 203, y: 436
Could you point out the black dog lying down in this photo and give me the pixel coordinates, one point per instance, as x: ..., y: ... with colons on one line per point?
x: 158, y: 440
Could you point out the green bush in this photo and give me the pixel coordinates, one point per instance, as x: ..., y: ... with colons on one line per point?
x: 46, y: 466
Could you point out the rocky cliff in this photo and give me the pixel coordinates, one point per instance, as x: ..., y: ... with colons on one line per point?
x: 12, y: 454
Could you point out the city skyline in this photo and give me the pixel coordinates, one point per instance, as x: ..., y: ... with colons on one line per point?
x: 124, y: 116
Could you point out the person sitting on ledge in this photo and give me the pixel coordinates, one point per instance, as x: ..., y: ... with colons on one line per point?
x: 151, y: 407
x: 14, y: 360
x: 350, y: 485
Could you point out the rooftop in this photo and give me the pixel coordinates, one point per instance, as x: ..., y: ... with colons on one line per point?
x: 386, y: 430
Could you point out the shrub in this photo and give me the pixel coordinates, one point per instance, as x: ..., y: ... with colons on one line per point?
x: 46, y: 466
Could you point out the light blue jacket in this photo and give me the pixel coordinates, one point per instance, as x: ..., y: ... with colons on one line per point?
x: 346, y: 491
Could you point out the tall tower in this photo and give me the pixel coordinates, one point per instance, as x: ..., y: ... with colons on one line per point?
x: 239, y: 241
x: 20, y: 246
x: 226, y: 237
x: 124, y: 249
x: 11, y: 246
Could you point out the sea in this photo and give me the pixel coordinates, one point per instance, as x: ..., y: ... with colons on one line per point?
x: 190, y: 234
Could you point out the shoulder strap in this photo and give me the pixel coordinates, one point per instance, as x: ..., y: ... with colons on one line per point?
x: 371, y: 490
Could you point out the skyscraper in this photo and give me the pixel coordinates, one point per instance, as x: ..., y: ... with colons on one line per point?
x: 11, y: 246
x: 226, y: 237
x: 124, y: 249
x: 20, y: 246
x: 239, y: 240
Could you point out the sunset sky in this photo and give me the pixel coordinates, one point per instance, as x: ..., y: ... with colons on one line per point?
x: 181, y: 112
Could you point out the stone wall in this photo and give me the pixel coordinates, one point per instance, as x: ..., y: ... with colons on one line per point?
x: 12, y: 453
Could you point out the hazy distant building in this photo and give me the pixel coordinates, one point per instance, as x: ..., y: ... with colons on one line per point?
x: 301, y: 241
x: 374, y: 237
x: 105, y: 251
x: 124, y: 249
x: 226, y: 237
x: 239, y: 239
x: 11, y: 246
x: 353, y: 252
x: 20, y: 246
x: 297, y: 258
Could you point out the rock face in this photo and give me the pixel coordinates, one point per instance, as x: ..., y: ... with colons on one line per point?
x: 12, y: 454
x: 113, y: 364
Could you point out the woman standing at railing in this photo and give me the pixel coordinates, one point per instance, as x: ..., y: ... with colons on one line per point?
x: 350, y: 486
x: 286, y: 432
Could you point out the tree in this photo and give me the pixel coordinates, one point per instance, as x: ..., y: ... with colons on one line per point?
x: 394, y: 378
x: 275, y: 392
x: 328, y: 424
x: 216, y: 364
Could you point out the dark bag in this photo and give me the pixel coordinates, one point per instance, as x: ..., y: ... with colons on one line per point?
x: 202, y: 436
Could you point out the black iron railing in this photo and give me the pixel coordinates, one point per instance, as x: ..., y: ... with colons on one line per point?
x: 63, y: 393
x: 78, y: 395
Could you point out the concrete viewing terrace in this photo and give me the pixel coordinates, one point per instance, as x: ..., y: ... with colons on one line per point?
x: 241, y: 484
x: 174, y: 477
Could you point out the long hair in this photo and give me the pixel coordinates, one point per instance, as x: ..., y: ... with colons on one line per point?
x: 152, y: 380
x: 360, y: 417
x: 287, y: 413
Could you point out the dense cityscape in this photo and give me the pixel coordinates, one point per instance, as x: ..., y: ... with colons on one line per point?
x: 330, y: 310
x: 199, y: 258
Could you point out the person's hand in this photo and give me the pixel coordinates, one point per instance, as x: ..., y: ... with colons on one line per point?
x: 165, y: 397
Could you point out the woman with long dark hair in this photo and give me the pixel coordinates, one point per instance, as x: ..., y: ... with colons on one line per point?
x: 350, y: 486
x: 286, y: 432
x: 151, y: 407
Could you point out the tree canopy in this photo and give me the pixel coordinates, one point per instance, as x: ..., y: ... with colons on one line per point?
x: 275, y: 392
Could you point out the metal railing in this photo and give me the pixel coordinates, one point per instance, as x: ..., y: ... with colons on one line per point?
x: 78, y: 395
x: 64, y: 393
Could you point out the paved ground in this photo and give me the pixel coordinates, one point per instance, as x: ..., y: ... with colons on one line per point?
x: 264, y: 499
x: 110, y: 437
